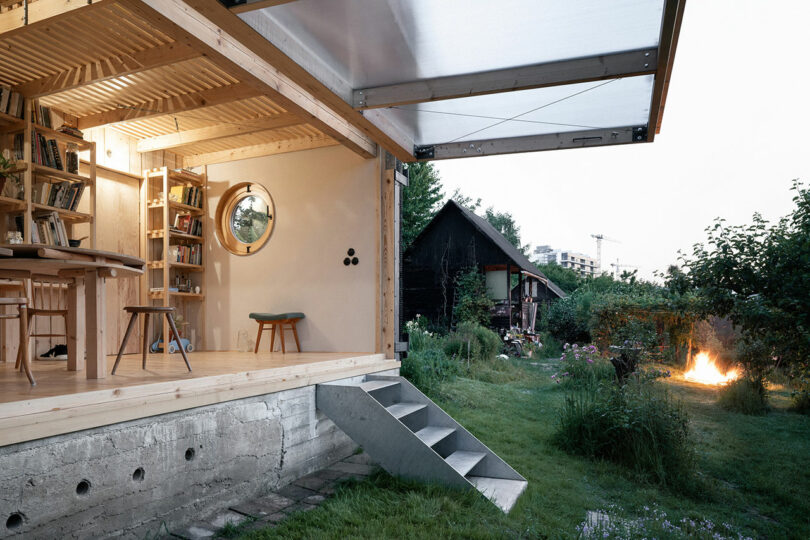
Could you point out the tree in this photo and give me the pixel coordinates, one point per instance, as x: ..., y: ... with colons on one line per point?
x: 467, y: 202
x: 565, y: 278
x: 505, y: 224
x: 420, y: 200
x: 758, y: 275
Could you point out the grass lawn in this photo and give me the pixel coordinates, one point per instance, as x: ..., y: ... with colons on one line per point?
x: 756, y: 469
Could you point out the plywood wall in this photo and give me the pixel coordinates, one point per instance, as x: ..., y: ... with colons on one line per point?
x: 325, y: 202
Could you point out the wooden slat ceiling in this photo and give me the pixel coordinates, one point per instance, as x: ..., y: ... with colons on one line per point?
x: 118, y: 70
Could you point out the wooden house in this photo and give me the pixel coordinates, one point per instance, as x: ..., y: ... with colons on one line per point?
x: 225, y: 158
x: 458, y: 240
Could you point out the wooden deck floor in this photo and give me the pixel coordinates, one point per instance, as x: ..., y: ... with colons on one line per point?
x: 64, y: 401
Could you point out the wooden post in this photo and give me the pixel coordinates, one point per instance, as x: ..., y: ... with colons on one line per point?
x: 75, y: 325
x: 388, y: 269
x: 95, y: 308
x: 509, y: 292
x: 166, y: 262
x: 520, y: 298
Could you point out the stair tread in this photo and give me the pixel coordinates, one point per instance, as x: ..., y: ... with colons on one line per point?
x: 433, y: 434
x: 463, y: 461
x: 370, y: 386
x: 400, y: 410
x: 504, y: 493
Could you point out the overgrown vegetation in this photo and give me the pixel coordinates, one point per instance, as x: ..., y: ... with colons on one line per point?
x: 472, y: 302
x: 745, y: 395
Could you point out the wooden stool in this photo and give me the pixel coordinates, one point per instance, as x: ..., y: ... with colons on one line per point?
x: 23, y: 361
x: 274, y: 320
x: 147, y: 310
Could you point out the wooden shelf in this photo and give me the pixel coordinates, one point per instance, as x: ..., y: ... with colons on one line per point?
x: 177, y: 206
x: 8, y: 122
x: 159, y: 294
x: 49, y: 133
x: 66, y: 215
x: 158, y: 233
x: 42, y: 170
x: 156, y: 265
x: 10, y: 204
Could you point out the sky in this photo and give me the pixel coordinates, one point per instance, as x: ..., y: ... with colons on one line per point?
x: 733, y: 137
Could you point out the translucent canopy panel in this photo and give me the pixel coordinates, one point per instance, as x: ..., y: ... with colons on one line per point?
x: 558, y: 109
x: 370, y: 43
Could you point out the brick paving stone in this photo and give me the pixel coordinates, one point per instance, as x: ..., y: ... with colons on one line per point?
x: 353, y: 468
x: 263, y: 506
x: 314, y: 499
x: 362, y: 459
x: 329, y: 474
x: 295, y: 493
x: 299, y: 507
x: 196, y: 531
x: 327, y: 490
x: 312, y: 481
x: 220, y: 520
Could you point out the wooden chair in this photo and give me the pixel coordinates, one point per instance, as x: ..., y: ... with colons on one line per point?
x: 273, y: 321
x: 48, y: 297
x: 133, y: 320
x: 23, y: 360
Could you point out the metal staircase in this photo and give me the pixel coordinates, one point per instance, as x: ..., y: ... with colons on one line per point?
x: 410, y: 436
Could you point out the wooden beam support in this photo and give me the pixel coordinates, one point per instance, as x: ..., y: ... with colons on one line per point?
x: 170, y: 105
x: 177, y: 19
x: 107, y: 68
x: 533, y: 143
x: 251, y: 5
x: 670, y: 27
x: 290, y: 78
x: 41, y: 11
x: 193, y: 136
x: 268, y: 149
x: 592, y: 68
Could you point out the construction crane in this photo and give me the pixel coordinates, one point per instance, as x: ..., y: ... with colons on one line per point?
x: 599, y: 238
x: 618, y: 267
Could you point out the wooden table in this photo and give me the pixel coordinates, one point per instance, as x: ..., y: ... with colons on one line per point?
x: 89, y: 269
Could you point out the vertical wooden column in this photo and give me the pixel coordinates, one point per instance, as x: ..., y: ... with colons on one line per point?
x: 95, y: 321
x: 388, y: 266
x: 93, y: 197
x: 167, y: 269
x: 28, y: 174
x: 509, y: 292
x: 76, y: 322
x: 520, y: 298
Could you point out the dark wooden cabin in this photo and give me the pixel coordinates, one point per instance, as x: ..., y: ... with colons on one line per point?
x: 456, y: 240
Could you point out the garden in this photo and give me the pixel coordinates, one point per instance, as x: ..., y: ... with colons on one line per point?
x: 669, y: 409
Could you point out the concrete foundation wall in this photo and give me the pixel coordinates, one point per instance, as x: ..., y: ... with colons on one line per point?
x: 136, y: 478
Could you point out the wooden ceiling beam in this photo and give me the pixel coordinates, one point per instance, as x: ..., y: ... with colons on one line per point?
x: 177, y: 19
x: 268, y: 149
x: 107, y: 68
x: 42, y: 11
x: 252, y: 5
x: 170, y: 105
x: 212, y: 133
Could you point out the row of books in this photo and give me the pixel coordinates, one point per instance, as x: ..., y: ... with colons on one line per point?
x: 12, y: 103
x: 191, y: 254
x: 184, y: 223
x: 46, y: 152
x: 191, y: 196
x: 64, y: 195
x: 42, y: 115
x: 49, y: 229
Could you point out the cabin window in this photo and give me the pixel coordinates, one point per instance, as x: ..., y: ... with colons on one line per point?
x: 245, y: 217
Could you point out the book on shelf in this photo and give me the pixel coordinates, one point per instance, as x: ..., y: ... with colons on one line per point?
x: 49, y: 229
x: 42, y: 116
x: 12, y: 103
x: 64, y: 195
x: 191, y: 254
x: 190, y: 196
x: 187, y: 224
x: 46, y: 151
x: 5, y: 95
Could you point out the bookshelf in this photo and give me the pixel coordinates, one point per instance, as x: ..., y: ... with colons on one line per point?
x: 173, y: 237
x: 40, y: 197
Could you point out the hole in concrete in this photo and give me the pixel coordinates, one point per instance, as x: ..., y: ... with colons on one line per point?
x: 138, y: 475
x: 189, y: 454
x: 83, y: 487
x: 14, y: 521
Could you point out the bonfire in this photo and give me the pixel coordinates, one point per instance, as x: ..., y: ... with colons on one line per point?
x: 705, y: 370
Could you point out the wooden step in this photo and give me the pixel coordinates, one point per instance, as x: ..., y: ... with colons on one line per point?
x: 372, y: 386
x: 401, y: 410
x: 433, y: 434
x: 463, y: 461
x: 504, y: 493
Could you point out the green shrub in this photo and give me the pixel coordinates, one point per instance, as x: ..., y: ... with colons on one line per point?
x: 428, y: 369
x: 472, y: 342
x: 801, y: 403
x: 637, y: 425
x: 582, y: 366
x: 551, y: 347
x: 473, y: 305
x: 567, y: 319
x: 747, y: 396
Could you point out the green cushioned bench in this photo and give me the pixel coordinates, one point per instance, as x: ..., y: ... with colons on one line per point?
x: 273, y: 320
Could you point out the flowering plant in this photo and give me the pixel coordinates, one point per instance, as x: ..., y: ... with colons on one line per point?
x: 581, y: 365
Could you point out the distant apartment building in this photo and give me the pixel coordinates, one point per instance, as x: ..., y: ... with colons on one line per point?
x: 584, y: 265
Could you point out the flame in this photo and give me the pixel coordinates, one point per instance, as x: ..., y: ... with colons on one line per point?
x: 705, y: 371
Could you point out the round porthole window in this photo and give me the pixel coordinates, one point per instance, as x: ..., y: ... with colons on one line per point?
x: 245, y: 217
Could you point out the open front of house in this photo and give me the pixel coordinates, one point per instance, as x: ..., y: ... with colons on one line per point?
x: 244, y: 167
